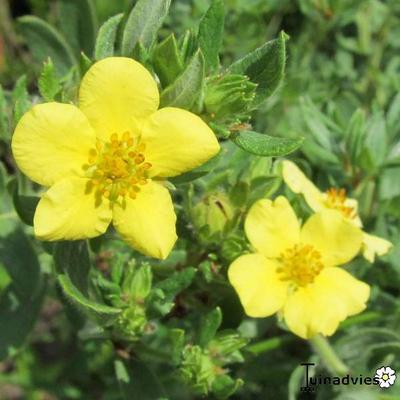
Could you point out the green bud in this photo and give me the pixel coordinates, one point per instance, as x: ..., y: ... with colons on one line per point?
x: 214, y: 212
x: 131, y: 323
x: 137, y: 281
x: 197, y: 370
x: 203, y: 371
x: 229, y: 97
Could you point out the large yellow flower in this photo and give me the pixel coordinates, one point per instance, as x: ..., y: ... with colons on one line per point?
x: 294, y: 270
x: 333, y: 199
x: 106, y: 160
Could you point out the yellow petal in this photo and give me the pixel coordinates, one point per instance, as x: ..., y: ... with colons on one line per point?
x: 272, y: 226
x: 177, y: 141
x: 52, y: 141
x: 115, y: 93
x: 374, y: 245
x: 260, y: 290
x: 321, y: 306
x: 147, y: 223
x: 299, y: 183
x: 69, y: 210
x: 335, y: 237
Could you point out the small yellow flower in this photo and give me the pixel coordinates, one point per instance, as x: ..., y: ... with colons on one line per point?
x: 105, y: 161
x: 294, y: 270
x: 333, y: 199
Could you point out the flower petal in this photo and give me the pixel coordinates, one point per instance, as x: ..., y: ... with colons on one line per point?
x: 52, y: 141
x: 147, y: 223
x: 272, y: 226
x: 373, y: 245
x: 299, y: 183
x: 260, y: 290
x: 177, y: 141
x: 115, y: 93
x: 69, y: 210
x: 336, y: 238
x: 321, y: 306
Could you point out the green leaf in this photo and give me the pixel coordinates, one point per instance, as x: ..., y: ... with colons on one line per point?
x: 265, y: 145
x: 21, y: 98
x: 92, y: 308
x: 355, y: 134
x: 4, y: 119
x: 49, y: 85
x: 188, y: 45
x: 139, y: 382
x: 72, y: 259
x: 44, y: 42
x: 198, y: 172
x: 211, y: 30
x: 20, y: 302
x: 186, y: 89
x: 105, y: 42
x: 224, y: 386
x: 78, y: 23
x: 25, y: 206
x: 264, y: 66
x: 143, y: 24
x: 177, y: 282
x: 167, y: 61
x: 209, y: 326
x: 177, y: 337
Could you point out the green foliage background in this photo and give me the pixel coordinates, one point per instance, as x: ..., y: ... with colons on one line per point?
x: 98, y: 321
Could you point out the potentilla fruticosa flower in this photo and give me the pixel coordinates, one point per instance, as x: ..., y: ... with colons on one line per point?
x: 333, y: 199
x: 106, y: 160
x: 294, y: 270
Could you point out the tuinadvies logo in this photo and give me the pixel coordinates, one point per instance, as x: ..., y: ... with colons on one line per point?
x: 384, y: 378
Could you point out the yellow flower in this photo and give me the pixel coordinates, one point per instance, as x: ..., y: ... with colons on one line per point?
x: 294, y: 270
x: 333, y: 199
x: 106, y: 160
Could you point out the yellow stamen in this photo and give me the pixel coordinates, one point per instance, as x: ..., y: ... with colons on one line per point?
x: 336, y: 199
x: 117, y: 166
x: 300, y: 265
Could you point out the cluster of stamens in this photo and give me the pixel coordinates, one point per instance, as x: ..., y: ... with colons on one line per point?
x: 336, y: 199
x: 118, y: 168
x: 300, y: 265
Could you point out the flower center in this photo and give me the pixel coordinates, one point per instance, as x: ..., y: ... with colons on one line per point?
x: 118, y: 168
x: 336, y: 199
x: 385, y: 377
x: 300, y: 264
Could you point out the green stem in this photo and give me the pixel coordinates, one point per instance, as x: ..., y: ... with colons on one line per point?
x: 328, y: 356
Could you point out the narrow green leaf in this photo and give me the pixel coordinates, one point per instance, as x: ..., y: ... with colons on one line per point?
x: 143, y: 24
x: 355, y: 134
x: 224, y: 386
x: 188, y: 44
x: 198, y: 172
x: 78, y: 23
x: 49, y: 85
x: 4, y: 121
x: 105, y: 42
x: 21, y: 98
x: 91, y: 307
x: 209, y: 326
x: 265, y: 145
x: 211, y: 30
x: 72, y: 259
x: 264, y: 66
x: 25, y: 206
x: 44, y: 42
x: 177, y: 337
x: 167, y: 61
x: 177, y: 282
x: 19, y: 258
x: 187, y: 88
